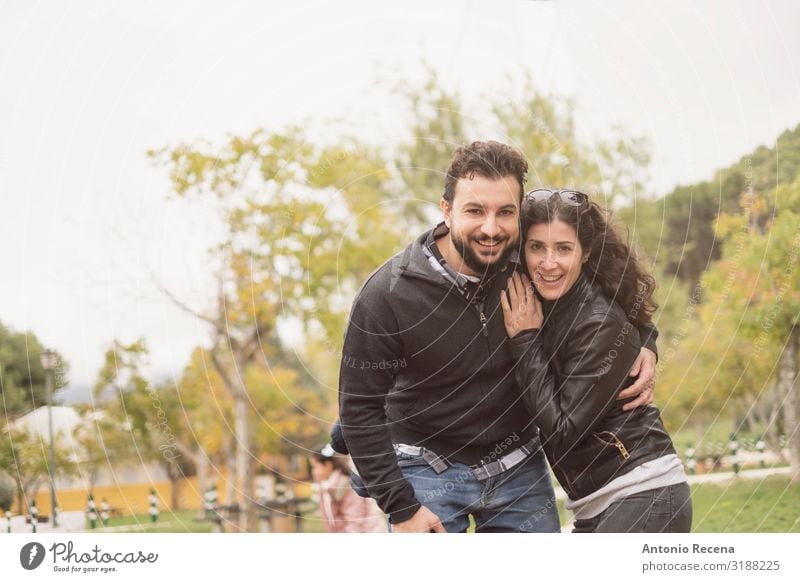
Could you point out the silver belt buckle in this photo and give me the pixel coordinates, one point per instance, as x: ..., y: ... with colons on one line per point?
x: 480, y: 472
x: 436, y: 462
x: 513, y: 458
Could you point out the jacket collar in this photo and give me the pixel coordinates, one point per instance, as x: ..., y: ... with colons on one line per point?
x: 569, y: 301
x: 415, y: 262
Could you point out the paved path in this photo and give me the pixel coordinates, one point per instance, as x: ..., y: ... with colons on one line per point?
x: 69, y: 521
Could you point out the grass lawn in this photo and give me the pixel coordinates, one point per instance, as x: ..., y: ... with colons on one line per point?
x: 747, y: 505
x: 180, y: 522
x: 741, y: 506
x: 168, y: 522
x: 744, y: 505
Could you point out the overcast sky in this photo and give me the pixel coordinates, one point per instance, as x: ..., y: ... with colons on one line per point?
x: 89, y: 87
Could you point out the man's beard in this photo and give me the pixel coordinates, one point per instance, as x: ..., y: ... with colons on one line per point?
x: 473, y: 260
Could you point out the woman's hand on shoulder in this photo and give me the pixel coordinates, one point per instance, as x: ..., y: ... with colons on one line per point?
x: 522, y: 310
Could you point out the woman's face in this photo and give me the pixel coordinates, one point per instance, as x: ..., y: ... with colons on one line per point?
x: 554, y: 258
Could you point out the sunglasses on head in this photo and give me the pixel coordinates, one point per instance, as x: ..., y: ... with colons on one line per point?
x: 571, y: 197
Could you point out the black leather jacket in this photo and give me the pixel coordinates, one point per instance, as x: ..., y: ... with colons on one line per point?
x: 570, y: 372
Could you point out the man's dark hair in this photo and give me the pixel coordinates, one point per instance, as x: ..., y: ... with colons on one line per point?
x: 489, y: 159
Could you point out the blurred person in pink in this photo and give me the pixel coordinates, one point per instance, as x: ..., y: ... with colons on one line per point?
x: 341, y: 508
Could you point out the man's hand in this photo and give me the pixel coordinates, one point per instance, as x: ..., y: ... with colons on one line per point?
x: 644, y: 387
x: 423, y: 521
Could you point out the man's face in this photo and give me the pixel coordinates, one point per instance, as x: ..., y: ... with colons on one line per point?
x: 484, y: 221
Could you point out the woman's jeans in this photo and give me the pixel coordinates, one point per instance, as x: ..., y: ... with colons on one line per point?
x: 663, y: 510
x: 519, y: 500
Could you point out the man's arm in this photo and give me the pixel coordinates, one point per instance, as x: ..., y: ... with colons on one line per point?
x: 366, y: 376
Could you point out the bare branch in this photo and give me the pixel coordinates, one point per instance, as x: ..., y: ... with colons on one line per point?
x: 232, y: 387
x: 185, y: 308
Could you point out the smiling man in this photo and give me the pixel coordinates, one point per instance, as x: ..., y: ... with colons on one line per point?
x: 428, y: 403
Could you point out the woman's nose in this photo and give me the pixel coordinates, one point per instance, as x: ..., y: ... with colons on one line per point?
x: 548, y: 260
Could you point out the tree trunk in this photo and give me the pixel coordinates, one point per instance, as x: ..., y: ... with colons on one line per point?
x: 20, y: 497
x: 244, y: 463
x: 230, y: 478
x: 197, y: 457
x: 772, y: 436
x: 201, y: 464
x: 175, y: 478
x: 787, y: 378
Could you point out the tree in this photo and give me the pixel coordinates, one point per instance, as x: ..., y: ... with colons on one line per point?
x: 101, y: 440
x: 543, y: 127
x: 25, y: 457
x: 300, y: 234
x: 678, y: 230
x: 438, y: 124
x: 145, y: 413
x: 22, y: 378
x: 756, y: 285
x: 204, y: 415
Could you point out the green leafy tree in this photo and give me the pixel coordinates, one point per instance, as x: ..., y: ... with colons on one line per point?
x: 101, y: 441
x: 677, y: 231
x: 22, y: 378
x: 300, y: 235
x: 25, y: 457
x: 543, y: 127
x: 144, y: 412
x: 437, y: 125
x: 756, y: 287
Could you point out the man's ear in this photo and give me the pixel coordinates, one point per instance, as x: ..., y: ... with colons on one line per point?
x: 446, y: 210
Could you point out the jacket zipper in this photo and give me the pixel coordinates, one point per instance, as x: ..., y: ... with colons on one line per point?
x: 479, y: 308
x: 617, y: 443
x: 570, y: 487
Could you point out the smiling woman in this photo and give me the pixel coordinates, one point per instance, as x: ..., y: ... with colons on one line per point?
x: 574, y: 350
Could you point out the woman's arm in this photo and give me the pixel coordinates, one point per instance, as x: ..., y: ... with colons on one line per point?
x: 600, y: 350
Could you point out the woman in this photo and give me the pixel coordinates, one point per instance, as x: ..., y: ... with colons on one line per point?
x: 341, y: 509
x: 574, y: 351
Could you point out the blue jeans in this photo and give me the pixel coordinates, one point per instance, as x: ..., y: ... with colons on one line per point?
x: 519, y: 500
x: 662, y: 510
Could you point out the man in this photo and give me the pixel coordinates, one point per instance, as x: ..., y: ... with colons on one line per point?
x: 428, y: 404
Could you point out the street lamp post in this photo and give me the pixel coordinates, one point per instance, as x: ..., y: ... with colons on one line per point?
x: 49, y: 360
